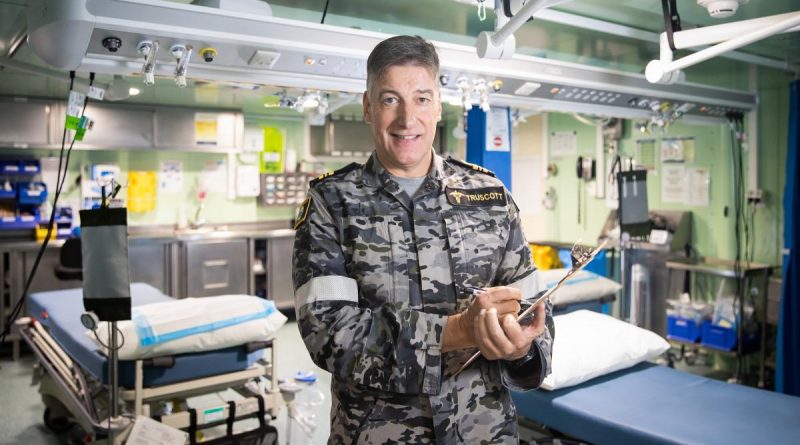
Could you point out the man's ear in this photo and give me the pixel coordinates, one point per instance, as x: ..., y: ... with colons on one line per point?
x: 365, y: 104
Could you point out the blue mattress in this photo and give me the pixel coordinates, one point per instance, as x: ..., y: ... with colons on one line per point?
x: 60, y: 311
x: 651, y: 404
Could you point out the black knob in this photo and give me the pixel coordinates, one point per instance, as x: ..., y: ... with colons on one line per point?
x: 112, y: 44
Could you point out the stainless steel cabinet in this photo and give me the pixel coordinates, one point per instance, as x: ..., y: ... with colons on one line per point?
x: 151, y: 262
x: 45, y: 278
x: 24, y: 122
x: 215, y: 267
x: 280, y: 288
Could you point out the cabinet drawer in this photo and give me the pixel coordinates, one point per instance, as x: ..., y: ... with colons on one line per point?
x: 216, y: 268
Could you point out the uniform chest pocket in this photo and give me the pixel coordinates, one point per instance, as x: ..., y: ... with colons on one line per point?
x: 378, y: 259
x: 485, y: 235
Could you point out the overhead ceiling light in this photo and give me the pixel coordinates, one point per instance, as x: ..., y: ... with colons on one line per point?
x: 133, y: 91
x: 119, y: 89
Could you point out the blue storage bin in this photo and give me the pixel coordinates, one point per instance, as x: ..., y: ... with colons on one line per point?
x: 10, y: 167
x: 598, y: 265
x: 8, y: 194
x: 683, y: 329
x: 718, y: 337
x: 28, y: 197
x: 20, y: 222
x: 30, y: 167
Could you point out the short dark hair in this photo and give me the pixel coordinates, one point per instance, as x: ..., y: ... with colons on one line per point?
x: 401, y: 50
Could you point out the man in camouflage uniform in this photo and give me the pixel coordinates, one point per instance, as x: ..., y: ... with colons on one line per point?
x: 407, y: 265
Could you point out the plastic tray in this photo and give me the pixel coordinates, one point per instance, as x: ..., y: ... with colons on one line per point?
x: 26, y: 197
x: 683, y: 329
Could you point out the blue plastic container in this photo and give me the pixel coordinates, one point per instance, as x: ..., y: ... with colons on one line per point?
x: 30, y: 167
x: 718, y: 337
x: 8, y: 194
x: 28, y: 197
x: 10, y: 167
x: 683, y: 329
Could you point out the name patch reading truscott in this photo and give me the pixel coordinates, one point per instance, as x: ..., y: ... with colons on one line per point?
x: 480, y: 197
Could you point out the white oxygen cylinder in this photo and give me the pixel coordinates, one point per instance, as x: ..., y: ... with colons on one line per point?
x: 640, y: 296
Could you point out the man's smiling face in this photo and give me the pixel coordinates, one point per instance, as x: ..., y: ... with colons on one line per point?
x: 403, y: 108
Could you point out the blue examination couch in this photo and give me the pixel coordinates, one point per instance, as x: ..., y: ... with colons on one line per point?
x: 60, y: 311
x: 655, y: 405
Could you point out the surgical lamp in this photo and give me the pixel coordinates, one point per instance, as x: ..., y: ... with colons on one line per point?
x: 148, y: 49
x: 510, y: 15
x: 724, y: 37
x: 181, y: 53
x: 119, y: 89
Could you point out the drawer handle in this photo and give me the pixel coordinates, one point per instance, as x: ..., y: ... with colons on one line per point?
x: 215, y: 263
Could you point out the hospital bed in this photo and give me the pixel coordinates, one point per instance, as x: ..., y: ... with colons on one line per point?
x: 649, y: 404
x: 74, y: 378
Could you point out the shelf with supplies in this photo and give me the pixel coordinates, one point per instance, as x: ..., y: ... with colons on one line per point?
x: 727, y: 340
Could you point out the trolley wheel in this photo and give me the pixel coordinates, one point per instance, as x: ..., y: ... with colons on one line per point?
x: 58, y: 424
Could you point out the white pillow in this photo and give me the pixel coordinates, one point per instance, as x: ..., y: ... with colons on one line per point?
x: 584, y: 286
x: 193, y: 325
x: 590, y: 344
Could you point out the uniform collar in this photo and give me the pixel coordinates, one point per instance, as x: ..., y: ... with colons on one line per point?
x: 375, y: 174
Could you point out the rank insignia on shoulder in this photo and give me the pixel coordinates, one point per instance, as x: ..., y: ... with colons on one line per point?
x: 479, y: 197
x: 302, y: 212
x: 341, y: 171
x: 472, y: 166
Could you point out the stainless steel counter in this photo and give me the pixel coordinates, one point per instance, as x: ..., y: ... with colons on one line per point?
x: 143, y: 234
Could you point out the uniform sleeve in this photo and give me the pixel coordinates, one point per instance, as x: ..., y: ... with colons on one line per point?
x: 517, y: 270
x: 382, y: 348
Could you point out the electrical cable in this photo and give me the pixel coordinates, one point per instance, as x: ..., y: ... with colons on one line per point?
x: 59, y: 186
x: 324, y: 12
x: 94, y: 331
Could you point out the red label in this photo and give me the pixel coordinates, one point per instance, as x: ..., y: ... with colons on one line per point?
x: 498, y: 141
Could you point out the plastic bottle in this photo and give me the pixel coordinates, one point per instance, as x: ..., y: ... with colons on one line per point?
x: 302, y: 413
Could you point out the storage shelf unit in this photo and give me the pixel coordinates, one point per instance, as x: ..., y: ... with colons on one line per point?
x: 749, y: 272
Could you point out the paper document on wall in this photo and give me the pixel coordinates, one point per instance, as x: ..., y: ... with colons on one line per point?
x: 699, y: 185
x: 674, y: 184
x: 563, y: 143
x: 497, y: 130
x: 170, y: 178
x: 213, y: 177
x: 205, y: 129
x: 141, y: 191
x: 248, y: 181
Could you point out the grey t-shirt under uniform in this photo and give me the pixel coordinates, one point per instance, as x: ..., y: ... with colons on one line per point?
x: 409, y: 185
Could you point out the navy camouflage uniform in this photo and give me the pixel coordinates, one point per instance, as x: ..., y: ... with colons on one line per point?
x: 376, y: 273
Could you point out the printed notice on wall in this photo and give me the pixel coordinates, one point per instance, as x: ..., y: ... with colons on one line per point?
x: 205, y: 129
x: 699, y: 185
x: 170, y: 177
x: 674, y: 184
x: 497, y: 130
x: 213, y: 177
x: 563, y: 143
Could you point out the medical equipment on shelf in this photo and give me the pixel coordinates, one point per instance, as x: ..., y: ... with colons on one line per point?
x: 168, y: 388
x: 581, y: 256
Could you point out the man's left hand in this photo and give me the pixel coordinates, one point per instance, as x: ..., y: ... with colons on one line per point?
x: 505, y: 338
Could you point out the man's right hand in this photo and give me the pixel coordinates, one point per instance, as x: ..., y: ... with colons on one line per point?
x: 460, y: 329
